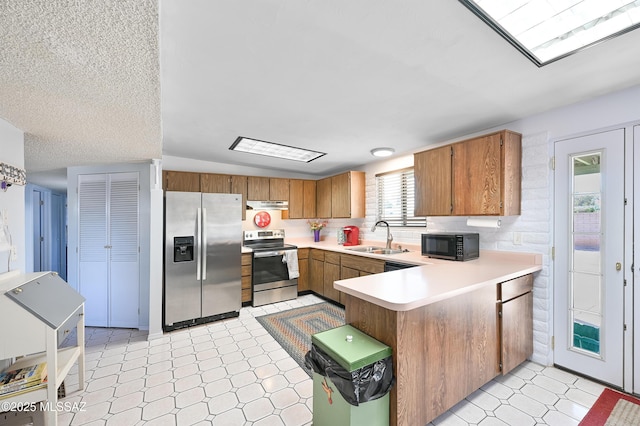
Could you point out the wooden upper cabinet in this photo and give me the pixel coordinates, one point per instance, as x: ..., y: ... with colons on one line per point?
x: 484, y: 178
x: 323, y: 198
x: 258, y: 188
x: 348, y: 195
x: 476, y: 176
x: 432, y: 171
x: 181, y: 181
x: 309, y: 195
x: 214, y: 183
x: 302, y: 199
x: 239, y: 186
x: 278, y: 189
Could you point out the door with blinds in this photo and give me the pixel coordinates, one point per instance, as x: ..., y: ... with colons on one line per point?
x: 108, y: 252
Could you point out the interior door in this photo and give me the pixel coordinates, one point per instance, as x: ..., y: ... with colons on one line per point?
x: 38, y: 230
x: 124, y: 253
x: 92, y: 250
x: 589, y: 251
x: 109, y: 276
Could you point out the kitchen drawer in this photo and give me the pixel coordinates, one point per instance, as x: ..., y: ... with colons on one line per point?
x: 246, y: 259
x: 514, y: 288
x: 317, y: 254
x: 371, y: 266
x: 331, y: 257
x: 303, y: 253
x: 246, y: 270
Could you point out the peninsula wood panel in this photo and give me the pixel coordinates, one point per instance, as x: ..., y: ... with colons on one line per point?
x: 181, y: 181
x: 441, y: 352
x: 477, y: 176
x: 432, y: 171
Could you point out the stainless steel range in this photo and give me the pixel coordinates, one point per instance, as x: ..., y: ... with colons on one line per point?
x: 275, y: 266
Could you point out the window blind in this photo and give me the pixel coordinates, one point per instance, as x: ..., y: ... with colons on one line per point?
x: 395, y: 193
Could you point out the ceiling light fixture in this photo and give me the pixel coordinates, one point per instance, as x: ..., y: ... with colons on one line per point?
x: 546, y: 31
x: 270, y: 149
x: 382, y: 152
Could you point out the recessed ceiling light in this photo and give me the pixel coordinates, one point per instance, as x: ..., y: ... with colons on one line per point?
x: 270, y: 149
x: 382, y: 152
x: 545, y: 31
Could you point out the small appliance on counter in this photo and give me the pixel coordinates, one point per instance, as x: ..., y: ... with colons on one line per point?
x: 451, y: 246
x: 351, y: 235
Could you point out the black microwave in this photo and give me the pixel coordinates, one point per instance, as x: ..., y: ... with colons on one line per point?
x: 451, y: 246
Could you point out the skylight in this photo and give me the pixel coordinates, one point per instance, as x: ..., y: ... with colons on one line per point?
x: 271, y: 149
x: 545, y: 30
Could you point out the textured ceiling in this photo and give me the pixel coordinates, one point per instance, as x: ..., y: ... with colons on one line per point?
x: 100, y: 81
x: 82, y: 80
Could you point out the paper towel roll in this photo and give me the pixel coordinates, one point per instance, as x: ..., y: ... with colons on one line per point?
x: 484, y: 222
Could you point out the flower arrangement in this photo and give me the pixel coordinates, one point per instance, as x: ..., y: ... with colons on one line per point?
x: 317, y: 225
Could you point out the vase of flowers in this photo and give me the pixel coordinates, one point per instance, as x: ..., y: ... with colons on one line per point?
x: 316, y: 226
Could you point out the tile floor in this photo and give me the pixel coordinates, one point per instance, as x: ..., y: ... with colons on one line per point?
x: 233, y: 372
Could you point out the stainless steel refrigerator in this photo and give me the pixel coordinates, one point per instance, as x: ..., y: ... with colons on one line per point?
x: 202, y: 268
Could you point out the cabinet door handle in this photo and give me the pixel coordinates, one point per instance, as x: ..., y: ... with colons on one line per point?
x: 618, y: 266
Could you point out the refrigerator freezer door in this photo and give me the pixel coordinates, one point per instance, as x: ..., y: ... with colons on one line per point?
x: 182, y: 286
x: 222, y: 288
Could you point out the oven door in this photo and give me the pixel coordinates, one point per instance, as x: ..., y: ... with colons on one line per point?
x: 269, y: 269
x: 271, y: 281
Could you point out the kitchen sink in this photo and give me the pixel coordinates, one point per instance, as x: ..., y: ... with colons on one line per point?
x: 377, y: 250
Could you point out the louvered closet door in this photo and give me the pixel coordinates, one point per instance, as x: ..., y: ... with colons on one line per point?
x: 124, y: 255
x: 92, y: 250
x: 108, y: 251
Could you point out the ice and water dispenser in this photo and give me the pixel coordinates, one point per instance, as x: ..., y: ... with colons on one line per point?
x: 183, y: 249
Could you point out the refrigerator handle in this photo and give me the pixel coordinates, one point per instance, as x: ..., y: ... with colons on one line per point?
x: 204, y: 244
x: 199, y: 244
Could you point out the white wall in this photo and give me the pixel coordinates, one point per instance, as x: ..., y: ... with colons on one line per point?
x: 12, y: 201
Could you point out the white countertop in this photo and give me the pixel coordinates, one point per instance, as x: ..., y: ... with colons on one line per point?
x: 435, y: 280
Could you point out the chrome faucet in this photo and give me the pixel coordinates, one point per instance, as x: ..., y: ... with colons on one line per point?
x: 389, y: 236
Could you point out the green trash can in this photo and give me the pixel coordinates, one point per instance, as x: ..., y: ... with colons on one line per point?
x: 352, y: 376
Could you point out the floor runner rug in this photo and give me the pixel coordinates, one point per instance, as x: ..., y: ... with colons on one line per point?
x: 613, y: 409
x: 293, y: 328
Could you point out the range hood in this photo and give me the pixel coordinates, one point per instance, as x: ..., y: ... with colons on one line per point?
x: 267, y: 205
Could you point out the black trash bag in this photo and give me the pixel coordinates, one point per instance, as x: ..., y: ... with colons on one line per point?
x: 368, y: 383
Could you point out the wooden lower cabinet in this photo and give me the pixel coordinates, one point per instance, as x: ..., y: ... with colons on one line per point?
x: 331, y: 274
x: 303, y: 269
x: 316, y: 271
x: 515, y: 322
x: 247, y: 259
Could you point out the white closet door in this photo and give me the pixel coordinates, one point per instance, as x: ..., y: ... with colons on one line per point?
x: 124, y: 258
x: 92, y: 250
x: 109, y: 275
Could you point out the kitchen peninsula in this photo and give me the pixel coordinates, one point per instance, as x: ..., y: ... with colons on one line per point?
x: 453, y: 326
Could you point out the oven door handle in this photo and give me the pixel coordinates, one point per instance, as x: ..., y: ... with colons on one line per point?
x: 268, y: 253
